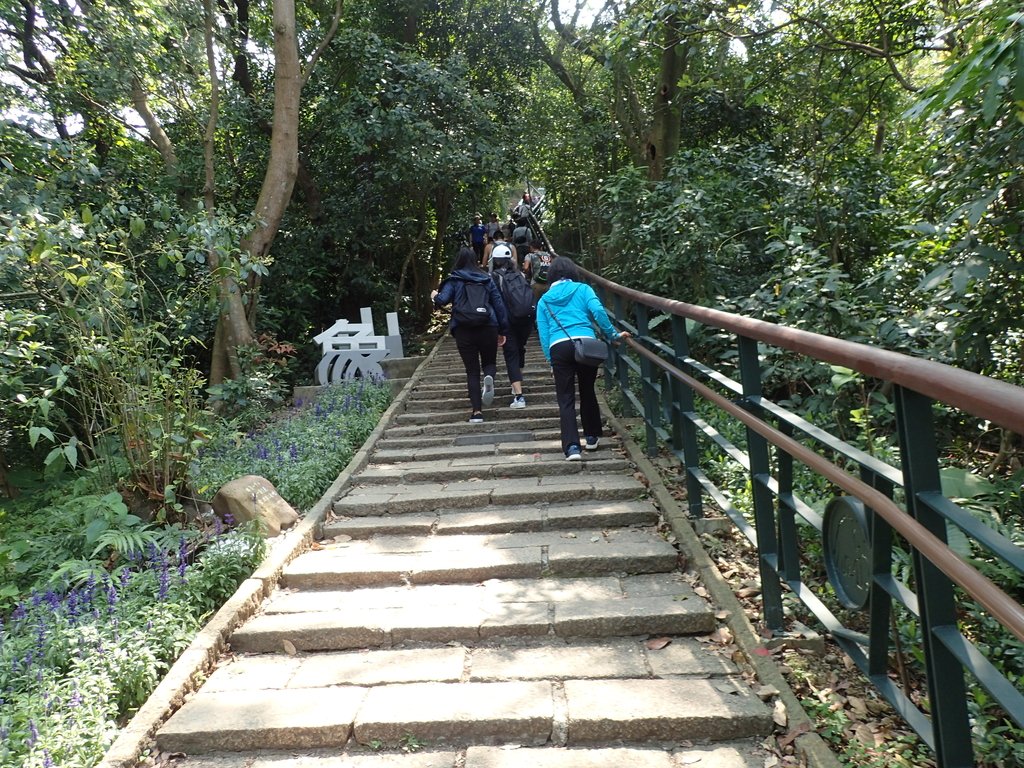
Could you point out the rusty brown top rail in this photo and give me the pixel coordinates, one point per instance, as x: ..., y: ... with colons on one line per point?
x: 998, y: 401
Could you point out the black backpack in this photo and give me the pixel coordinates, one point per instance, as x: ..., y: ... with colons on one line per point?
x: 472, y: 304
x: 517, y: 294
x: 541, y: 263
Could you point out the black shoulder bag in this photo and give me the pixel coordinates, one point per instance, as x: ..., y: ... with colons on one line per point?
x: 586, y: 350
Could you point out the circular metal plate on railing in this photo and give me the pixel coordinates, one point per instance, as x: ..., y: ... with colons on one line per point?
x: 847, y: 543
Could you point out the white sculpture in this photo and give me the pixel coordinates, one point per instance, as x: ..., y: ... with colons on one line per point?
x: 353, y: 350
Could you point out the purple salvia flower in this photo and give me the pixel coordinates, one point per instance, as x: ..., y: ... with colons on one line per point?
x: 76, y: 697
x: 33, y: 733
x: 111, y: 595
x: 293, y: 451
x: 47, y: 760
x: 165, y: 581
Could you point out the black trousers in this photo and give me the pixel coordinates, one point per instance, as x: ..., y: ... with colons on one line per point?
x: 515, y: 348
x: 478, y: 348
x: 567, y: 374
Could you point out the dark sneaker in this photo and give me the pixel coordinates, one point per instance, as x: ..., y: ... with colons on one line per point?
x: 487, y: 395
x: 518, y: 402
x: 592, y: 443
x: 476, y: 418
x: 573, y: 453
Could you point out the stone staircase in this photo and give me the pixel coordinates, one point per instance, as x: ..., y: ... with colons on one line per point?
x: 478, y: 602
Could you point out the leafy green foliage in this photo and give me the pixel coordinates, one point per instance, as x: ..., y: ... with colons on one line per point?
x: 303, y: 453
x: 74, y: 662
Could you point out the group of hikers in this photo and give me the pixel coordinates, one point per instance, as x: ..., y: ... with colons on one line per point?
x: 499, y: 293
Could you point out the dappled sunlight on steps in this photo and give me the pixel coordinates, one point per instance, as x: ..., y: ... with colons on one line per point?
x: 478, y: 602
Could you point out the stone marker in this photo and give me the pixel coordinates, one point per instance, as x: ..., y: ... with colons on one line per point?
x: 252, y: 497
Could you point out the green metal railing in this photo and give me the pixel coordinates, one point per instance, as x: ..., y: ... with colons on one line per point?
x: 885, y: 510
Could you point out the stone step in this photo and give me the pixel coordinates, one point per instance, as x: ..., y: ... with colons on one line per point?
x: 542, y: 517
x: 467, y: 713
x: 457, y: 412
x: 456, y: 401
x: 413, y: 755
x: 495, y: 420
x: 547, y: 464
x: 442, y: 623
x: 515, y: 443
x: 502, y: 433
x: 366, y: 500
x: 471, y: 558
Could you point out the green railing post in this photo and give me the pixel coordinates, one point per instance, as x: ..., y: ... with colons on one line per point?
x: 684, y: 433
x: 946, y: 689
x: 647, y: 384
x: 789, y: 536
x: 880, y: 608
x: 621, y: 369
x: 760, y: 473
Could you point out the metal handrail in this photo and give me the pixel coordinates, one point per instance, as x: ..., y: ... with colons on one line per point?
x: 921, y: 520
x: 997, y: 401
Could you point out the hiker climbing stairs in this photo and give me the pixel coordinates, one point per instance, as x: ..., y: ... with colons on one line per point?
x: 476, y: 601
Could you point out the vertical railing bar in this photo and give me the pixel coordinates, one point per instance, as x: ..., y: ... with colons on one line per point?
x: 764, y: 505
x: 683, y: 396
x: 789, y: 538
x: 650, y: 400
x: 915, y: 426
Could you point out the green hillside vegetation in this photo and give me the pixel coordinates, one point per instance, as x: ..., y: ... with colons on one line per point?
x: 191, y: 193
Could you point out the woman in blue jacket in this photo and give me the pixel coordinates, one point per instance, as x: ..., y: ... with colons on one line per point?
x: 577, y: 309
x: 477, y: 344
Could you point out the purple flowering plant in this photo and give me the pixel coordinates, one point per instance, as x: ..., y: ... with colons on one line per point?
x: 303, y: 452
x: 76, y: 661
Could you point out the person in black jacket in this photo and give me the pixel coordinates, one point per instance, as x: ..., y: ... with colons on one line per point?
x: 477, y: 344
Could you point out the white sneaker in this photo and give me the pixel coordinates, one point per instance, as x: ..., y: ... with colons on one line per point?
x: 487, y: 396
x: 518, y: 402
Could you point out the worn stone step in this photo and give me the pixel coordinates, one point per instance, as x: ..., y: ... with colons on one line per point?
x: 457, y: 401
x: 503, y: 432
x: 461, y: 559
x: 468, y: 713
x: 550, y: 658
x: 365, y: 500
x: 729, y: 755
x: 538, y: 609
x: 536, y: 517
x: 456, y: 413
x: 490, y: 448
x: 495, y: 420
x: 547, y: 464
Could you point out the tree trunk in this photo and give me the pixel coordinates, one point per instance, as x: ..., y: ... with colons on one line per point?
x: 282, y: 167
x: 232, y: 327
x: 663, y: 141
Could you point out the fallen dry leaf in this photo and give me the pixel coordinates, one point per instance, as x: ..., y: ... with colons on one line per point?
x: 864, y: 735
x: 722, y: 635
x: 779, y: 714
x: 316, y: 546
x: 722, y: 615
x: 766, y: 692
x: 690, y: 759
x: 657, y: 643
x: 289, y: 647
